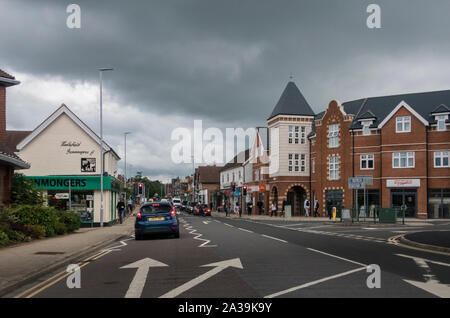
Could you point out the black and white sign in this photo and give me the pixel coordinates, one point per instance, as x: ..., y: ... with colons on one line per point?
x: 88, y: 165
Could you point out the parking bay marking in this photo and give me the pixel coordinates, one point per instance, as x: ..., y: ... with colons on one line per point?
x: 218, y: 267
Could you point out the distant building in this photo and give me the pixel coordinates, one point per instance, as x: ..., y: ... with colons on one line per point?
x: 207, y: 183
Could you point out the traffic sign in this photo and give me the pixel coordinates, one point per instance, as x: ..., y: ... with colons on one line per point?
x: 368, y: 179
x: 356, y: 183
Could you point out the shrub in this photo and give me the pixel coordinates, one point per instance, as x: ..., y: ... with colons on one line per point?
x: 60, y: 228
x: 71, y: 220
x: 17, y: 236
x: 4, y: 239
x: 36, y: 231
x: 38, y: 215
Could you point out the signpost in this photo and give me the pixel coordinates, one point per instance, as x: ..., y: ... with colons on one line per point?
x: 360, y: 182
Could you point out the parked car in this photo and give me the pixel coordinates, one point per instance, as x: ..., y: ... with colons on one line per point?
x: 204, y: 207
x: 156, y: 218
x: 190, y: 207
x: 183, y: 205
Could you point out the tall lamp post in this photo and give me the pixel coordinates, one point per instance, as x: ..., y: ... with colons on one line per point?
x: 102, y: 168
x: 125, y: 134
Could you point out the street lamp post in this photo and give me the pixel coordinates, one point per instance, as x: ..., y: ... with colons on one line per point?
x: 125, y: 134
x: 101, y: 70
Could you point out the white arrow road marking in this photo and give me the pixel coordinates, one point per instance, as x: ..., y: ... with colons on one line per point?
x: 138, y: 283
x: 432, y: 284
x: 206, y: 222
x: 219, y: 266
x: 433, y: 287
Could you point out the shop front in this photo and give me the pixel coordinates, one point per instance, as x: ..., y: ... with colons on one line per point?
x: 439, y: 203
x: 404, y: 195
x: 81, y: 194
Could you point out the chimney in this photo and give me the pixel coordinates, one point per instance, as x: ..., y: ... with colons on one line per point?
x: 6, y: 80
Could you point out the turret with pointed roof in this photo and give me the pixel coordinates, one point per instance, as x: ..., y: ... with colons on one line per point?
x: 292, y: 102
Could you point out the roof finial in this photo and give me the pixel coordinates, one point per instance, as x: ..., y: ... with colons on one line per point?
x: 291, y: 77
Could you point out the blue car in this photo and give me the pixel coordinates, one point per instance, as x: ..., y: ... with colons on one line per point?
x: 156, y: 218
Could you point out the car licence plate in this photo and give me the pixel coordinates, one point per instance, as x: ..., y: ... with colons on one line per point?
x: 155, y: 219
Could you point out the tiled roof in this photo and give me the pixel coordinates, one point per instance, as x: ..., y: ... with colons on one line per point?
x: 237, y: 161
x: 6, y: 75
x: 382, y: 106
x: 292, y: 102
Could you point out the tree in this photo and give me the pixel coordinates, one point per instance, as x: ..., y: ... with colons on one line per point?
x: 24, y: 192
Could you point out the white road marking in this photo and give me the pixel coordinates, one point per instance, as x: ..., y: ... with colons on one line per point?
x: 198, y: 236
x: 138, y: 282
x: 229, y: 225
x: 273, y: 238
x: 432, y: 284
x: 219, y: 266
x: 245, y: 230
x: 338, y: 257
x: 315, y: 282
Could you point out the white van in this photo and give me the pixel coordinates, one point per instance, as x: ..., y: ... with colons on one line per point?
x: 176, y: 202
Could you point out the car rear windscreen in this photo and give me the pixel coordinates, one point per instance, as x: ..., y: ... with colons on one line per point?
x: 156, y: 208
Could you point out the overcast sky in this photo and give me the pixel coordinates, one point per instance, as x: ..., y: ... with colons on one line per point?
x: 225, y: 62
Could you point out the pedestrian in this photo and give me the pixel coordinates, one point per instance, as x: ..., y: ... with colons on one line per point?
x: 249, y: 208
x: 227, y: 208
x: 121, y: 209
x: 274, y: 209
x: 130, y: 205
x: 316, y: 208
x: 307, y: 206
x: 260, y: 205
x: 201, y: 212
x: 237, y: 209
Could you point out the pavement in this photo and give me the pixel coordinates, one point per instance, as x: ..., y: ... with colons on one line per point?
x: 22, y: 263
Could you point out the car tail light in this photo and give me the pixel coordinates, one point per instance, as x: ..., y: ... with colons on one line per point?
x: 173, y: 213
x: 139, y: 215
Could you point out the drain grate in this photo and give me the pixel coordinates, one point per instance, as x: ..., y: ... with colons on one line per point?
x: 49, y: 253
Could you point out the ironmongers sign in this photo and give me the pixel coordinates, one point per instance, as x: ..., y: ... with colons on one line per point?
x: 74, y: 182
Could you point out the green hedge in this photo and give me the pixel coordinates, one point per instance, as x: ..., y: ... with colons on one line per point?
x: 26, y: 222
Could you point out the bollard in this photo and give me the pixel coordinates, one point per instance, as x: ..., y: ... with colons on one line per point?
x: 334, y: 214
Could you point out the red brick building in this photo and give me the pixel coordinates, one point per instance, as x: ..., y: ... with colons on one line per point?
x: 9, y: 161
x: 402, y: 142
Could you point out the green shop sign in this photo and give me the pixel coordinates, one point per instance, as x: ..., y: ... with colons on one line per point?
x: 75, y: 183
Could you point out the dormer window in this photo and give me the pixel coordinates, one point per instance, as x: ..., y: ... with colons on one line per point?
x: 366, y: 127
x: 440, y: 119
x: 403, y: 124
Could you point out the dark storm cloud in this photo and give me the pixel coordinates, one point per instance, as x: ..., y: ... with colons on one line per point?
x: 225, y: 61
x: 221, y: 60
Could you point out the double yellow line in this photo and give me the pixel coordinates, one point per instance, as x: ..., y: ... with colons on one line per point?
x: 395, y: 241
x: 33, y: 291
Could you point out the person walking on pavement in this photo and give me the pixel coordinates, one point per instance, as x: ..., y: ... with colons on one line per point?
x: 249, y: 208
x: 316, y: 208
x: 274, y: 209
x: 121, y: 209
x: 307, y: 206
x: 237, y: 209
x: 130, y: 205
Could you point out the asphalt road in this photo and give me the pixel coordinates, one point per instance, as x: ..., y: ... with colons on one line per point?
x: 255, y: 259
